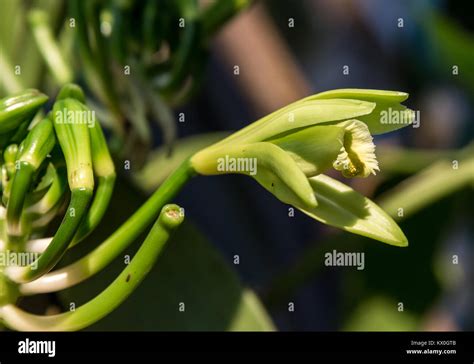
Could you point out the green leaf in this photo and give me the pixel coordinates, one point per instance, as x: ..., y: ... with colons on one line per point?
x: 250, y: 314
x: 377, y: 314
x: 314, y: 149
x: 340, y: 206
x: 300, y: 114
x: 452, y: 45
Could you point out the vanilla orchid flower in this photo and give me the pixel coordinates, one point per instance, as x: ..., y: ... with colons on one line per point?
x: 293, y: 146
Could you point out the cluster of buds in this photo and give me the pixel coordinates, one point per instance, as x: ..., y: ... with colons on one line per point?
x: 58, y: 164
x: 51, y: 161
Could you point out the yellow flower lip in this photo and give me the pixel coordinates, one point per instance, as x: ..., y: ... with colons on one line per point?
x: 357, y: 154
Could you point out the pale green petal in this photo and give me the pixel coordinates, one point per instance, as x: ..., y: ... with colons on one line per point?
x: 315, y: 148
x: 280, y: 175
x: 387, y: 116
x: 298, y: 115
x: 361, y: 94
x: 276, y: 186
x: 342, y: 207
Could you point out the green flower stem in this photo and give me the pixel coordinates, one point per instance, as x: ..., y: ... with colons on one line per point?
x: 74, y: 139
x: 80, y: 199
x: 41, y: 212
x: 21, y: 184
x: 169, y: 219
x: 31, y: 154
x: 99, y: 258
x: 48, y: 47
x: 105, y: 188
x: 105, y: 171
x: 9, y: 154
x: 54, y: 194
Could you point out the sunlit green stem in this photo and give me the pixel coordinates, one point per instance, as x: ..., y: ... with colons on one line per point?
x: 31, y: 154
x: 102, y: 195
x: 54, y: 194
x: 117, y: 242
x: 104, y: 170
x: 169, y: 219
x: 80, y: 199
x: 21, y: 184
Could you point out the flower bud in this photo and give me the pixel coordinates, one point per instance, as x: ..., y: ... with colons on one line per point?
x: 14, y: 110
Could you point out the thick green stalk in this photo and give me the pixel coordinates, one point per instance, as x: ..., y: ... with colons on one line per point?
x: 102, y: 195
x: 20, y: 186
x: 104, y: 170
x: 31, y: 154
x: 80, y: 199
x: 8, y: 171
x: 99, y: 258
x: 134, y: 273
x: 54, y: 194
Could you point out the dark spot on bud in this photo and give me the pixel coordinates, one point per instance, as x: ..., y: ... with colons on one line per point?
x: 128, y: 278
